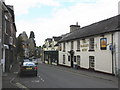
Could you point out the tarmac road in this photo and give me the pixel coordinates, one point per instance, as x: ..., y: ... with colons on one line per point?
x: 50, y: 76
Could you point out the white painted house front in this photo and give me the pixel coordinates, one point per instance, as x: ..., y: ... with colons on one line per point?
x: 95, y: 47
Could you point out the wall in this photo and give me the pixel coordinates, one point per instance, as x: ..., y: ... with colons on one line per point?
x: 103, y: 58
x: 116, y: 51
x: 0, y: 44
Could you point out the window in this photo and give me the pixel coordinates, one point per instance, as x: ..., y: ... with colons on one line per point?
x: 60, y: 47
x: 63, y: 59
x: 74, y: 58
x: 5, y: 26
x: 78, y: 45
x: 63, y: 47
x: 78, y: 60
x: 68, y: 58
x: 103, y: 43
x: 91, y: 44
x: 83, y: 41
x: 91, y: 62
x: 72, y: 45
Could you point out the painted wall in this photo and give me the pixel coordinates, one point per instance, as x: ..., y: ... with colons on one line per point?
x: 103, y: 58
x: 116, y: 51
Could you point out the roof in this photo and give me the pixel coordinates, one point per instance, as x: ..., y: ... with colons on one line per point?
x: 57, y: 38
x: 102, y: 27
x: 48, y: 39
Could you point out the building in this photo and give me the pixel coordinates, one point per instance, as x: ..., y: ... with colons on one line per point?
x: 8, y: 36
x: 28, y: 44
x: 50, y: 49
x: 95, y: 47
x: 25, y: 43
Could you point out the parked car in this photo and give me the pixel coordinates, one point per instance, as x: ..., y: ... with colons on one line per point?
x: 35, y: 61
x: 28, y: 68
x: 24, y: 60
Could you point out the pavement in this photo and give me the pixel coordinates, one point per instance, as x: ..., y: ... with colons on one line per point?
x: 8, y: 78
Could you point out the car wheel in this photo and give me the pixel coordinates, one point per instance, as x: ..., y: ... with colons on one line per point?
x: 36, y: 74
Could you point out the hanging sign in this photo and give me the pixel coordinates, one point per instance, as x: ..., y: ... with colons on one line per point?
x: 103, y: 43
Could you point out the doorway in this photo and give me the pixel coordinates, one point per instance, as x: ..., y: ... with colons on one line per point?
x: 91, y: 62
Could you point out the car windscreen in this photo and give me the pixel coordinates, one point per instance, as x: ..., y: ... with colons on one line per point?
x: 26, y: 60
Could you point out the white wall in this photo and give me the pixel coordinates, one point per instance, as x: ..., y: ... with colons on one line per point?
x: 103, y: 58
x: 116, y: 52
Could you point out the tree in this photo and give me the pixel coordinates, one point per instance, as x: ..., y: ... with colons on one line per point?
x: 32, y: 35
x: 19, y: 47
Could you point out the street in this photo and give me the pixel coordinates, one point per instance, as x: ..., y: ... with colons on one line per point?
x: 50, y: 76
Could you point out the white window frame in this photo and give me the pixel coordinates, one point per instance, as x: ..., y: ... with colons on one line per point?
x: 91, y: 44
x: 78, y: 45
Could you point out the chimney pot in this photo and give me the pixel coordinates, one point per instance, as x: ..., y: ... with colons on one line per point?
x: 74, y: 27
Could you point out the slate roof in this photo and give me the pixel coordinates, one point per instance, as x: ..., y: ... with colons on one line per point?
x: 57, y: 38
x: 48, y: 39
x: 102, y: 27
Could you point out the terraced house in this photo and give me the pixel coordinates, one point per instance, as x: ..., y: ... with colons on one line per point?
x: 51, y: 48
x: 7, y: 36
x: 95, y: 47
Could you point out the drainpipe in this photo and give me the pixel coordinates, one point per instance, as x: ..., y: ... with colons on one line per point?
x: 113, y: 58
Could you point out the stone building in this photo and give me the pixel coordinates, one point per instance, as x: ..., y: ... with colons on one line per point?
x: 7, y: 36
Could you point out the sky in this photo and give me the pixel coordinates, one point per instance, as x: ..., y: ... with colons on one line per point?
x: 48, y: 18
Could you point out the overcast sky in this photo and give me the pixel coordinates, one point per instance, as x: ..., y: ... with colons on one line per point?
x: 48, y: 18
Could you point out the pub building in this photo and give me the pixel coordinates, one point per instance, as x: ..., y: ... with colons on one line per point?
x: 93, y: 47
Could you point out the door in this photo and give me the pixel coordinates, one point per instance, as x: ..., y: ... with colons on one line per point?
x: 71, y: 60
x: 78, y: 60
x: 91, y: 62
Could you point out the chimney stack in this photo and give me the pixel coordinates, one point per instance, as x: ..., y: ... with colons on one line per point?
x: 74, y: 27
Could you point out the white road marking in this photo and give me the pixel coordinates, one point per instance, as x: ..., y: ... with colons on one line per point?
x: 42, y: 80
x: 15, y: 72
x: 36, y: 81
x: 21, y: 86
x: 12, y: 80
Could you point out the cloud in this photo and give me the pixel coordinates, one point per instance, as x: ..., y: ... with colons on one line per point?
x: 62, y: 18
x: 22, y: 6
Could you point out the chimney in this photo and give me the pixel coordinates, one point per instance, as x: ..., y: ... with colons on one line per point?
x: 74, y: 27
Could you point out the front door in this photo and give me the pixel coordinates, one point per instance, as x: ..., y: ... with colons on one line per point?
x: 91, y: 62
x: 71, y: 60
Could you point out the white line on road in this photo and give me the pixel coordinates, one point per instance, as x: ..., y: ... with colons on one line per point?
x: 41, y: 79
x: 21, y: 86
x: 11, y: 80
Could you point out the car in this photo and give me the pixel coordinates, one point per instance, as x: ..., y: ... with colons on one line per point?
x: 24, y: 60
x: 35, y: 61
x: 28, y: 68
